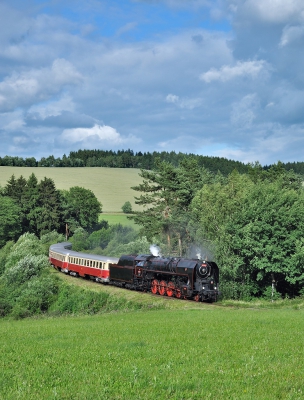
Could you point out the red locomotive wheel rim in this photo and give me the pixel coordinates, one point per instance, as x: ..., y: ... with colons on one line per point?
x: 197, y: 297
x: 154, y: 286
x: 178, y: 293
x: 170, y: 289
x: 162, y: 288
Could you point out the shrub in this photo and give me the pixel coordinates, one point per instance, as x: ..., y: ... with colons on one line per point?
x: 127, y: 208
x: 27, y: 244
x: 27, y: 268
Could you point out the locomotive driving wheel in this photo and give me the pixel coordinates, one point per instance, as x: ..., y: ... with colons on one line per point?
x: 178, y: 293
x: 197, y: 297
x: 162, y: 288
x: 154, y: 286
x: 170, y: 289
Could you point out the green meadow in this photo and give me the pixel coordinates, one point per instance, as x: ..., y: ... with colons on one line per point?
x: 118, y: 218
x: 208, y: 353
x: 112, y: 186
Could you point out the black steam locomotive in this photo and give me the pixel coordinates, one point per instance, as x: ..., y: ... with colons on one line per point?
x: 178, y: 277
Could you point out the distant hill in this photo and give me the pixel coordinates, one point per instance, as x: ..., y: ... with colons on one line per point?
x: 112, y: 186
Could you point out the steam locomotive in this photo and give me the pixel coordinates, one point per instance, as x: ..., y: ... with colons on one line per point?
x: 167, y: 276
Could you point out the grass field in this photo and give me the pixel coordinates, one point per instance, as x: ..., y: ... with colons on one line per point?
x: 112, y: 186
x: 118, y: 218
x: 208, y: 353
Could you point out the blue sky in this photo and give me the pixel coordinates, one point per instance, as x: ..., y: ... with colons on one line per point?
x: 219, y: 78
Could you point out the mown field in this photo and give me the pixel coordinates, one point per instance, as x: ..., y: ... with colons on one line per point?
x: 112, y: 186
x: 208, y: 353
x: 118, y: 218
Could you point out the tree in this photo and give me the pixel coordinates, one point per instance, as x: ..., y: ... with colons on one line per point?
x: 256, y: 228
x: 81, y: 207
x: 127, y: 208
x: 10, y: 223
x: 48, y: 214
x: 166, y: 195
x: 15, y: 188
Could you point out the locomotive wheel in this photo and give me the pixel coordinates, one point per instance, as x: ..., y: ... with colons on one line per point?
x: 197, y: 297
x: 178, y: 293
x: 162, y: 288
x: 154, y: 286
x: 170, y: 289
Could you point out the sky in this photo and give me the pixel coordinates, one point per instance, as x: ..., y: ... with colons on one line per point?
x: 222, y: 78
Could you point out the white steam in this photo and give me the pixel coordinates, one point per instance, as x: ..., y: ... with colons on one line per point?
x: 155, y: 250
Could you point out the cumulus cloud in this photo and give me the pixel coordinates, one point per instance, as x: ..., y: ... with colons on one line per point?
x: 148, y: 85
x: 28, y: 87
x: 101, y: 134
x: 291, y: 34
x: 270, y: 11
x: 227, y: 72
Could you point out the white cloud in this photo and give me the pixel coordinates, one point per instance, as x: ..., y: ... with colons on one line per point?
x: 186, y: 103
x: 53, y: 107
x: 25, y: 88
x: 274, y: 11
x: 227, y: 72
x: 172, y: 98
x: 106, y: 133
x: 290, y: 34
x: 244, y: 112
x: 102, y: 134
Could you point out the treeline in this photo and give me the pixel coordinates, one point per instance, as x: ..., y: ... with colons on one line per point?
x: 251, y: 224
x: 124, y: 159
x: 130, y: 159
x: 27, y: 205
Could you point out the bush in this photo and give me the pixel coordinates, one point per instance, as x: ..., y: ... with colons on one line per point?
x: 25, y: 269
x: 268, y: 294
x: 27, y: 244
x: 4, y: 252
x: 127, y: 208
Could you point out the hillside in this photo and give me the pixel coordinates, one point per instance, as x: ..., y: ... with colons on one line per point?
x: 112, y: 186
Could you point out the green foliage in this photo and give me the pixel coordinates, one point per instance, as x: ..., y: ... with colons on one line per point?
x: 25, y: 269
x: 36, y: 298
x: 10, y: 221
x: 81, y: 207
x: 271, y: 294
x: 79, y: 239
x: 166, y: 195
x: 256, y: 226
x: 100, y: 238
x: 4, y: 252
x: 27, y: 244
x: 127, y: 208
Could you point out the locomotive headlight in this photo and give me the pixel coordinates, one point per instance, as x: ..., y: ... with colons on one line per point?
x: 203, y: 287
x: 215, y: 287
x: 212, y: 282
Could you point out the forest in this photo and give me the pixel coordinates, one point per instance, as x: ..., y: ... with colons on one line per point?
x: 130, y: 159
x: 250, y: 223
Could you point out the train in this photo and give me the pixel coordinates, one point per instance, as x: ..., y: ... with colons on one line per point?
x: 178, y: 277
